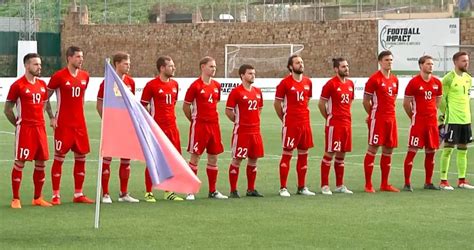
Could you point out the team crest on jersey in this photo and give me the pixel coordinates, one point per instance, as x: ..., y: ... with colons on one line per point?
x: 27, y: 91
x: 394, y: 85
x: 306, y: 87
x: 338, y: 89
x: 350, y: 89
x: 68, y: 83
x: 259, y: 97
x: 43, y: 90
x: 216, y: 91
x: 160, y: 91
x: 202, y: 91
x: 83, y: 82
x: 174, y: 90
x: 116, y: 90
x: 245, y: 97
x: 435, y: 87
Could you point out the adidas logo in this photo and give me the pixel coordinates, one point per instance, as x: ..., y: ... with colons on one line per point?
x: 67, y: 83
x: 245, y: 97
x: 421, y: 88
x: 338, y: 89
x: 202, y: 91
x: 292, y: 88
x: 160, y: 91
x: 383, y: 84
x: 27, y: 91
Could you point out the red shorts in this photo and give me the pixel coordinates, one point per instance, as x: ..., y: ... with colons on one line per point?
x: 31, y: 143
x: 383, y: 132
x: 299, y: 137
x: 205, y: 136
x: 247, y: 145
x: 173, y: 134
x: 75, y: 139
x: 424, y: 136
x: 338, y: 138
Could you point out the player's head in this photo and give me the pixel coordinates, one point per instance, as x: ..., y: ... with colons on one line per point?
x: 247, y: 73
x: 295, y: 64
x: 121, y: 61
x: 461, y: 61
x: 385, y: 59
x: 426, y: 64
x: 341, y: 67
x: 165, y: 66
x: 74, y: 57
x: 208, y: 66
x: 32, y: 62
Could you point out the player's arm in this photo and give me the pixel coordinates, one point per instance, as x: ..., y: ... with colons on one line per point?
x: 98, y: 106
x: 438, y: 101
x: 322, y: 107
x: 367, y: 102
x: 407, y: 100
x: 229, y: 112
x: 8, y: 111
x: 49, y: 111
x: 278, y: 108
x: 146, y: 106
x: 187, y: 110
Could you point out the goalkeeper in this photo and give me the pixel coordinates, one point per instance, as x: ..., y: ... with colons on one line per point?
x: 456, y: 115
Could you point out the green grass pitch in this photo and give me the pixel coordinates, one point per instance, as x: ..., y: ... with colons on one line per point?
x: 423, y: 219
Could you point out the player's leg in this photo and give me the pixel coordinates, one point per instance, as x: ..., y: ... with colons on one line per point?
x: 408, y: 166
x: 288, y: 142
x: 38, y: 181
x: 339, y: 168
x: 452, y: 132
x: 429, y: 168
x: 79, y: 171
x: 106, y: 161
x: 389, y: 140
x: 304, y: 144
x: 373, y: 145
x: 173, y: 135
x: 255, y: 152
x: 325, y: 169
x: 213, y: 147
x: 124, y: 176
x: 16, y: 176
x: 461, y: 158
x: 25, y: 150
x: 234, y: 176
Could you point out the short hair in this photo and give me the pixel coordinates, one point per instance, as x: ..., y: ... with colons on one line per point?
x: 384, y: 54
x: 119, y: 57
x: 28, y: 56
x: 161, y: 61
x: 290, y: 61
x: 424, y: 58
x: 243, y: 69
x: 459, y: 54
x: 205, y: 60
x: 72, y: 50
x: 337, y: 61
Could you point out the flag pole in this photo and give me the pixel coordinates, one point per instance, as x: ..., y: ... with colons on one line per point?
x: 99, y: 171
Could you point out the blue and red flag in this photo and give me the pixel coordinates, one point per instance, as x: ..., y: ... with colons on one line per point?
x: 128, y: 131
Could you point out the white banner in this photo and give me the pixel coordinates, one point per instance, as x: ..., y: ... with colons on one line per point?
x: 410, y: 39
x: 267, y: 85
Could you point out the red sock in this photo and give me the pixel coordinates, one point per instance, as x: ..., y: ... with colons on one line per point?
x: 233, y: 177
x: 124, y: 175
x: 148, y: 182
x: 38, y: 180
x: 301, y: 169
x: 56, y: 171
x: 385, y: 162
x: 368, y: 168
x: 79, y: 173
x: 105, y: 175
x: 284, y: 169
x: 408, y: 166
x: 251, y: 177
x: 193, y: 167
x: 325, y: 167
x: 429, y: 167
x: 212, y: 177
x: 17, y: 173
x: 339, y: 170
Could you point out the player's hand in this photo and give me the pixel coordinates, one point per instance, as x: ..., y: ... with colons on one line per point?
x: 53, y: 122
x: 441, y: 118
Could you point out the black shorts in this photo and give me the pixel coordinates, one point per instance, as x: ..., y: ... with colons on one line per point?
x: 458, y: 133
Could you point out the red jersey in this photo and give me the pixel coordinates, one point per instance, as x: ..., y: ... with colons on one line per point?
x: 162, y: 97
x: 29, y: 99
x: 126, y: 79
x: 339, y: 96
x: 204, y: 98
x: 295, y: 96
x: 70, y: 92
x: 246, y: 106
x: 424, y: 96
x: 384, y: 94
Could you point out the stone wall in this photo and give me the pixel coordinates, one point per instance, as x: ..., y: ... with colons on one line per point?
x: 356, y: 40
